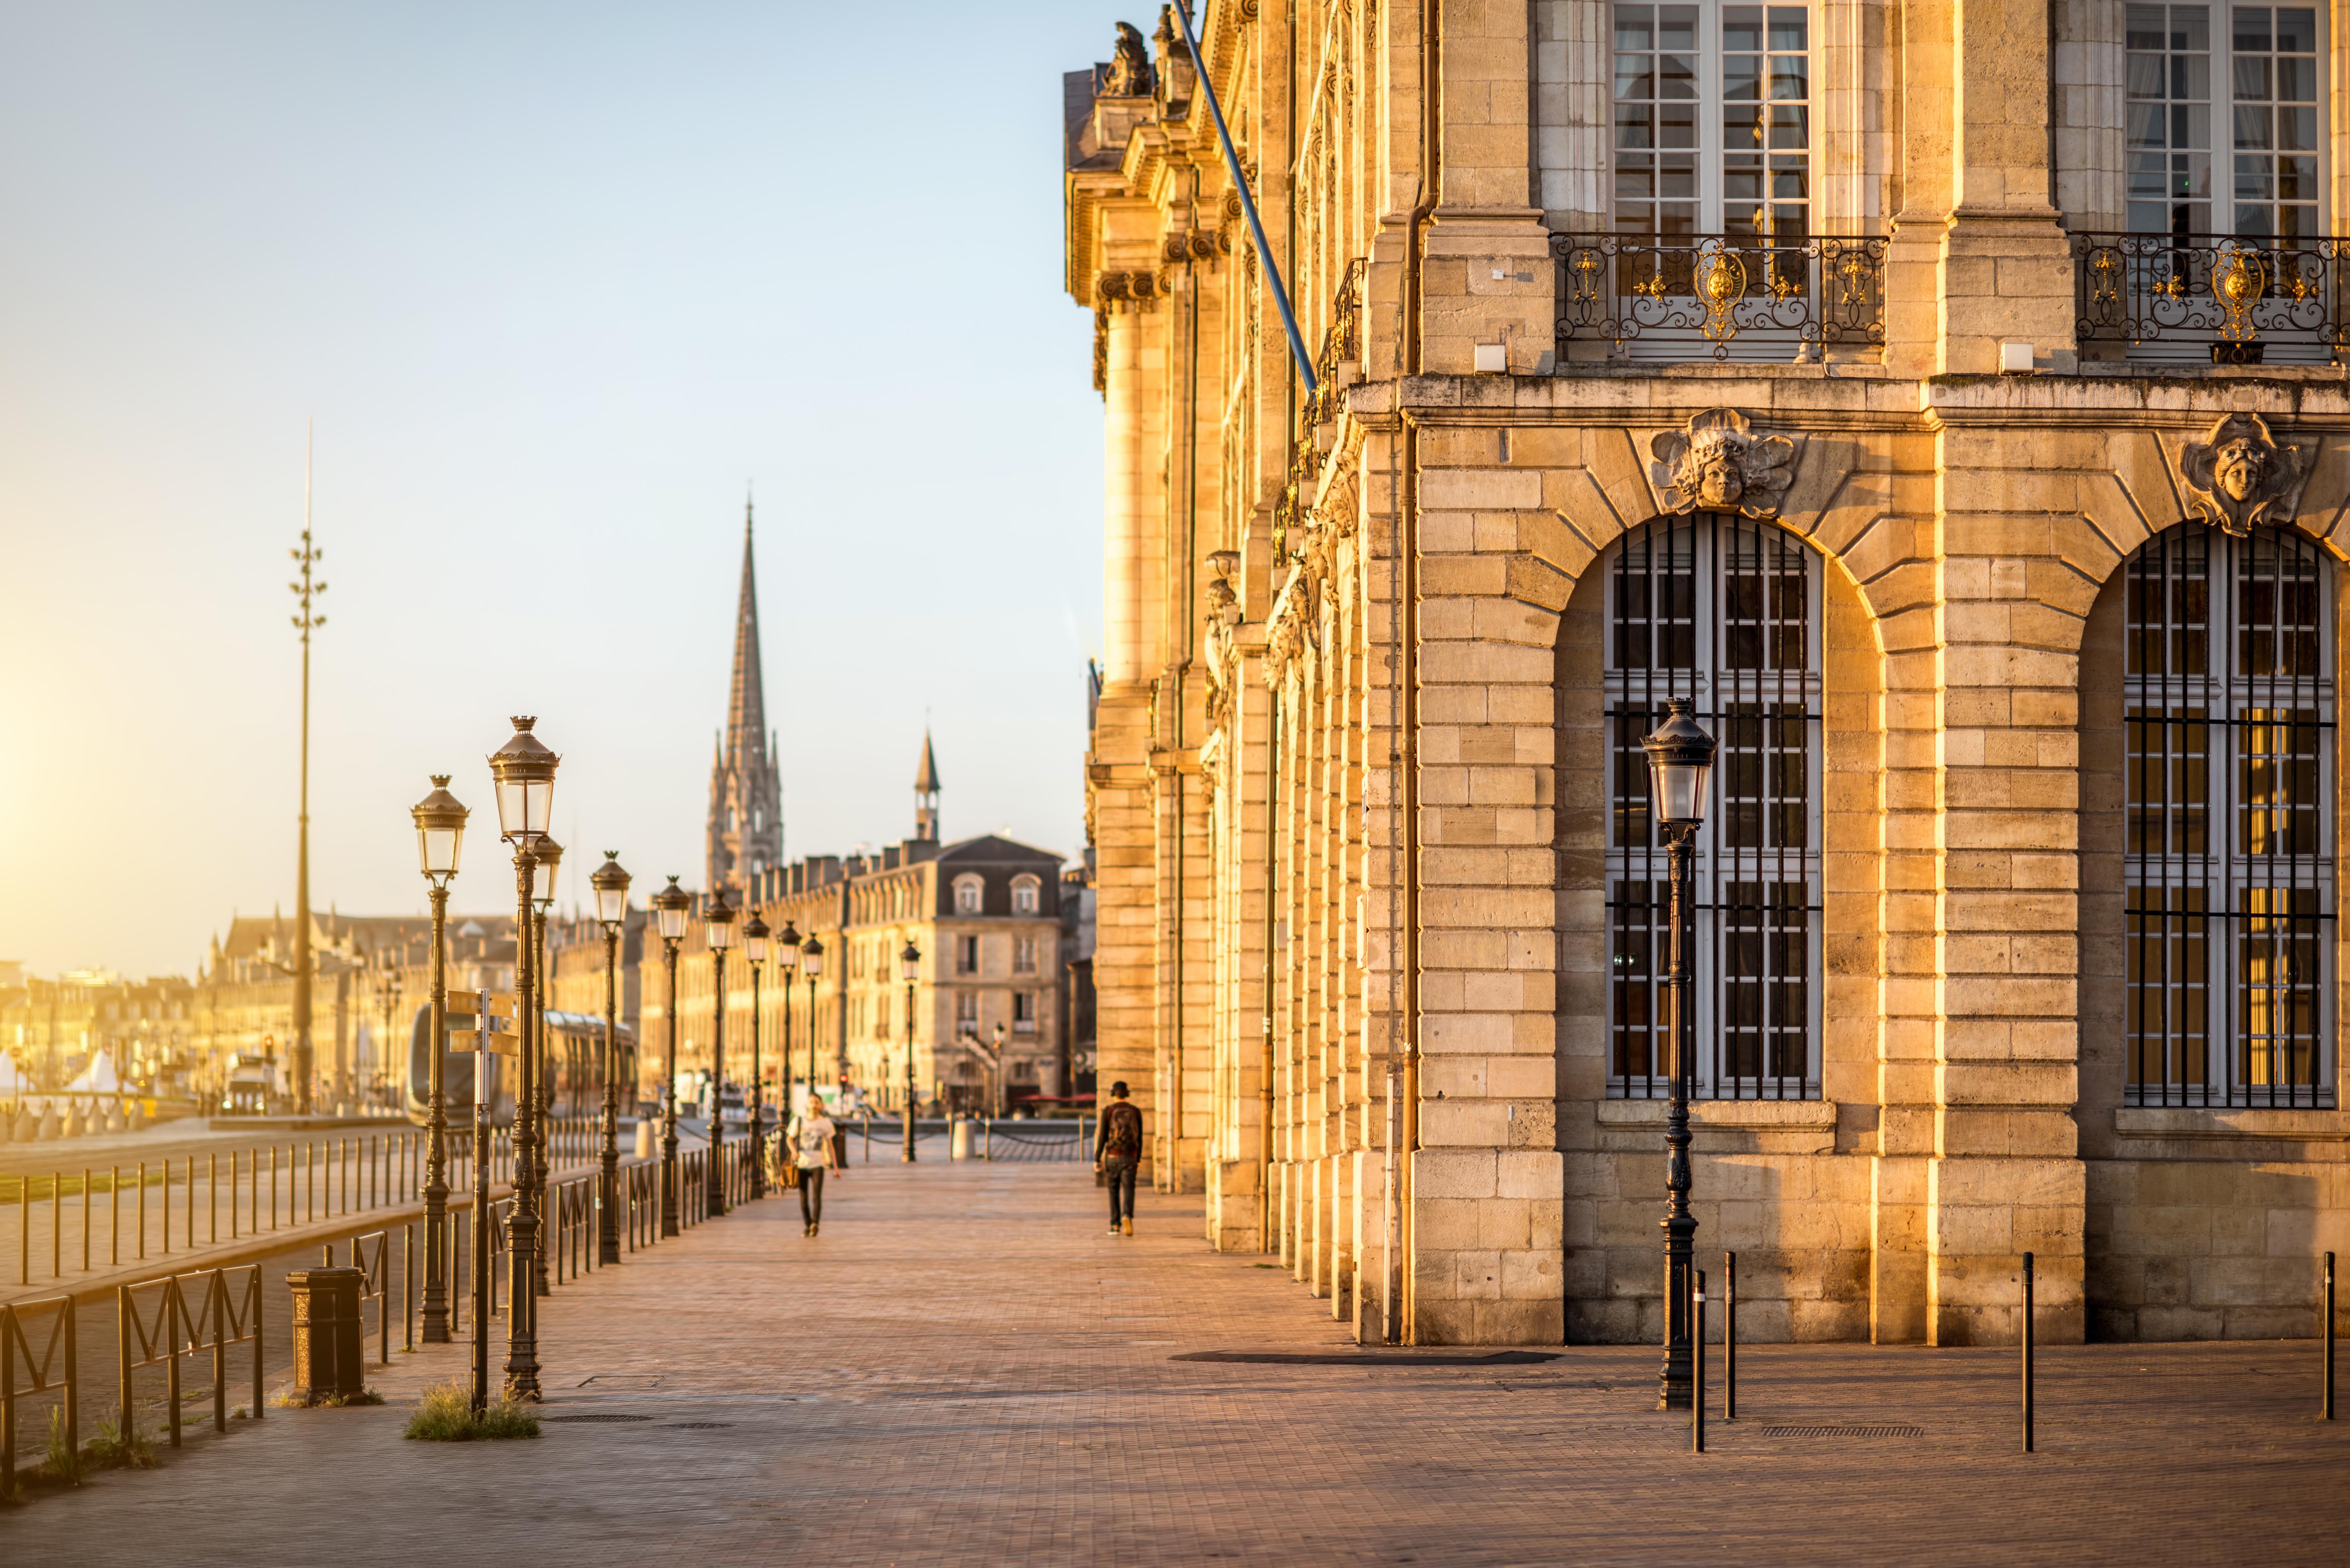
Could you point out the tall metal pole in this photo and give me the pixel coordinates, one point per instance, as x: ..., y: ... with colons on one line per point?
x: 670, y: 1225
x: 522, y: 1229
x: 608, y: 1229
x: 758, y: 1158
x: 307, y: 622
x: 436, y: 1134
x: 1680, y: 1225
x: 481, y: 1178
x: 713, y: 1178
x: 909, y: 1072
x: 544, y: 1104
x: 812, y: 1032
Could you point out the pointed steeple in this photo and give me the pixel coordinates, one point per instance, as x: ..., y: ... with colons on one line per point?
x: 745, y: 835
x: 746, y: 705
x: 926, y: 792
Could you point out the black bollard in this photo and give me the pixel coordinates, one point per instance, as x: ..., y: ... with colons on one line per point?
x: 1697, y: 1365
x: 1730, y: 1336
x: 2326, y: 1400
x: 2027, y: 1353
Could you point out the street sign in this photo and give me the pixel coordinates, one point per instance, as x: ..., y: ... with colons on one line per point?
x: 465, y: 1023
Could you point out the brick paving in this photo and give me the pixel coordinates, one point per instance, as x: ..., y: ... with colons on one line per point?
x: 964, y: 1369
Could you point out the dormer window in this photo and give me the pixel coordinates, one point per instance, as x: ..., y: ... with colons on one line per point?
x: 1025, y: 893
x: 968, y: 892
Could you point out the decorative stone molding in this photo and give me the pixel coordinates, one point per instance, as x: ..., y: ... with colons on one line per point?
x: 1138, y: 287
x: 2238, y: 475
x: 1131, y: 75
x: 1715, y: 462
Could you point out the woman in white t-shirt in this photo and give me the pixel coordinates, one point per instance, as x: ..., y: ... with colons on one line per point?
x: 811, y: 1144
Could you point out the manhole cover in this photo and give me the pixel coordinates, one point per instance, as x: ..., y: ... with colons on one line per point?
x: 1359, y: 1358
x: 698, y: 1426
x: 601, y: 1417
x: 1880, y: 1431
x: 622, y: 1380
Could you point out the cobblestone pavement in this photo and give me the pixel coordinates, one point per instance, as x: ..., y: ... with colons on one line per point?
x: 963, y: 1368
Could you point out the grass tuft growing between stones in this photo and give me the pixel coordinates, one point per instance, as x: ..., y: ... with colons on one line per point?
x: 111, y: 1451
x: 445, y: 1415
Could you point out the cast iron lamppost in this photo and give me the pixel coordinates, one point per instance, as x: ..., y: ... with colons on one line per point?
x: 811, y: 966
x: 525, y: 771
x: 611, y: 885
x: 718, y: 930
x: 671, y: 906
x: 439, y: 833
x: 755, y: 949
x: 912, y: 961
x: 548, y: 855
x: 1680, y: 761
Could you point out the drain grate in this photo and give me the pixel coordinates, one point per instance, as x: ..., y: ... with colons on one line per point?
x: 601, y: 1417
x: 1877, y: 1431
x: 698, y: 1426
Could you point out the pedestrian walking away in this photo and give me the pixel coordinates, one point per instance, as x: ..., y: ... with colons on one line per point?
x: 812, y: 1151
x: 1117, y: 1154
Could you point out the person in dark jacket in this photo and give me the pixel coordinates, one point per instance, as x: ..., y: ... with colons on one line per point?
x: 1117, y: 1154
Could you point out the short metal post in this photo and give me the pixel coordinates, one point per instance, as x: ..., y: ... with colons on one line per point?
x: 408, y: 1286
x: 2325, y: 1333
x: 142, y: 1216
x: 212, y: 1198
x: 1697, y: 1364
x: 126, y: 1417
x: 2027, y: 1353
x: 58, y: 1223
x: 114, y: 1215
x: 85, y: 1220
x: 220, y: 1350
x: 73, y: 1377
x: 1730, y: 1336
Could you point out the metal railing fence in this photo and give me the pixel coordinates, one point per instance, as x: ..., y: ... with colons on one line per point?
x: 2242, y: 300
x: 232, y: 1315
x: 1746, y: 298
x: 15, y: 1347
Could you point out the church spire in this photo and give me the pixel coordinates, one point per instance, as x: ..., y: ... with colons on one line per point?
x: 746, y: 793
x: 926, y: 792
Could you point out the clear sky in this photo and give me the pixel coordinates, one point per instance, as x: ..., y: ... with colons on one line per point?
x: 556, y: 282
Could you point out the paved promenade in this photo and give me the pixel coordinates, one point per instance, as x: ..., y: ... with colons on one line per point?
x: 963, y: 1368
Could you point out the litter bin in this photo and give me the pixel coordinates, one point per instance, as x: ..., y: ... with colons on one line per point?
x: 959, y: 1145
x: 329, y: 1335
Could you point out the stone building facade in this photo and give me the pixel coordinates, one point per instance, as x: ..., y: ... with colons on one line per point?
x: 1947, y: 398
x: 984, y: 913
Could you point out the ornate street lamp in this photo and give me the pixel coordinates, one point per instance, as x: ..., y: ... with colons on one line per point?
x: 1680, y: 762
x: 525, y: 771
x: 910, y: 961
x: 440, y: 834
x: 811, y: 966
x: 718, y: 930
x: 754, y: 950
x: 548, y: 855
x: 611, y: 885
x: 995, y: 1072
x: 670, y: 906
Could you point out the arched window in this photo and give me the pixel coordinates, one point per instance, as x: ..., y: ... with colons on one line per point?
x: 1024, y: 895
x: 968, y: 889
x: 2226, y: 866
x: 1725, y: 611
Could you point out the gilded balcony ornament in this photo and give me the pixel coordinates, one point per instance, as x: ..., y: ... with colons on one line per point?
x: 2238, y: 281
x: 2104, y: 284
x: 1587, y: 274
x: 1719, y: 283
x: 1716, y: 463
x: 2239, y: 476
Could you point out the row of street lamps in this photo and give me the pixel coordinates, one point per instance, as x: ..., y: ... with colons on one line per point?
x: 522, y: 771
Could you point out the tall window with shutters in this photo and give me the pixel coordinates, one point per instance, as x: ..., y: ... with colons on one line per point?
x: 1726, y: 612
x: 2228, y: 869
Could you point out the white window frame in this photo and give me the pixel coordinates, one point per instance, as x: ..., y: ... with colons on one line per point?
x: 1027, y: 895
x: 1713, y: 863
x: 970, y: 893
x: 2220, y: 149
x: 2222, y: 873
x: 1711, y: 153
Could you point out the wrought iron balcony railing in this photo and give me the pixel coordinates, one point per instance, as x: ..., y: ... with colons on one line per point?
x: 2244, y: 301
x: 1691, y: 296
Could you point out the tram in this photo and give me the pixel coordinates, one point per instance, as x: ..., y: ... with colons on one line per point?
x: 575, y: 1054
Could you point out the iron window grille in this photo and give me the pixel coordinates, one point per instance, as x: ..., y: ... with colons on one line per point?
x: 1725, y: 611
x: 2228, y: 871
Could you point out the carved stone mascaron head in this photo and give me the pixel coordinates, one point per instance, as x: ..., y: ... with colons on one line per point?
x: 1714, y: 463
x: 2239, y: 476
